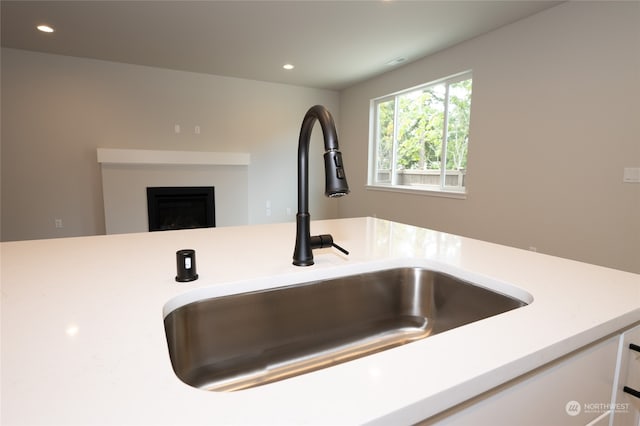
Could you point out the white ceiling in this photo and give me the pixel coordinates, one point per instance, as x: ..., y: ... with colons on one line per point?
x: 333, y: 44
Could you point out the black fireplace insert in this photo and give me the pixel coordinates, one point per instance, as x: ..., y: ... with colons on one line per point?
x: 182, y: 207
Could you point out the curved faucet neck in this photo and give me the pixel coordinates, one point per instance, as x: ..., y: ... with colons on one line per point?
x: 322, y: 115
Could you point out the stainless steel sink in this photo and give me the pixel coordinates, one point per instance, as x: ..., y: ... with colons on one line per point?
x: 245, y: 340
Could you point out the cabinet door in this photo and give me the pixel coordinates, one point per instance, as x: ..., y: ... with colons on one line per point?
x: 574, y: 390
x: 627, y: 408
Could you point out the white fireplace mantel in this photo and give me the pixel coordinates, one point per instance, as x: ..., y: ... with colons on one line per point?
x: 145, y: 156
x: 126, y: 173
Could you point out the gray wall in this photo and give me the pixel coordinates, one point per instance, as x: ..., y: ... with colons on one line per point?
x: 555, y: 119
x: 57, y: 110
x: 554, y: 122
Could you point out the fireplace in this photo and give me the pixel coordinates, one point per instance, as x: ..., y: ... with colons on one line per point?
x: 180, y: 207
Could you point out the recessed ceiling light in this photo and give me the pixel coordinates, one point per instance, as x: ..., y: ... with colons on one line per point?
x: 396, y: 61
x: 288, y: 66
x: 45, y: 28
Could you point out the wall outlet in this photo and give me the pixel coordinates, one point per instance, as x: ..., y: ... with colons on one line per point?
x: 631, y: 175
x: 58, y: 223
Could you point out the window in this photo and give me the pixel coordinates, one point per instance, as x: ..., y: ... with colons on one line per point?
x: 420, y: 136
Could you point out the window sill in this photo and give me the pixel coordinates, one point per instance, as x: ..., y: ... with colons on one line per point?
x: 418, y: 191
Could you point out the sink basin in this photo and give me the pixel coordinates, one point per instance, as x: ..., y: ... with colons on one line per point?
x: 240, y: 341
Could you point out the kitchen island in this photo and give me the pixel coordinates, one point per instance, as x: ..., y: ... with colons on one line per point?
x: 83, y: 340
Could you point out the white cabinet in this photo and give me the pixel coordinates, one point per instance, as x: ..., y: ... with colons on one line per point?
x: 626, y: 411
x: 574, y: 390
x: 582, y: 388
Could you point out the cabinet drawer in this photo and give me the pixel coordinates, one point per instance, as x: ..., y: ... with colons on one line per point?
x: 627, y: 411
x: 574, y: 390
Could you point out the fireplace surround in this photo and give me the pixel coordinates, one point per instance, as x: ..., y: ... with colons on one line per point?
x: 180, y: 207
x: 127, y: 173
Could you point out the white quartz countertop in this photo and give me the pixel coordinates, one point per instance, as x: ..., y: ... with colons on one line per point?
x: 83, y: 338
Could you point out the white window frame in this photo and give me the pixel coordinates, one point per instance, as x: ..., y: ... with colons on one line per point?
x: 436, y: 190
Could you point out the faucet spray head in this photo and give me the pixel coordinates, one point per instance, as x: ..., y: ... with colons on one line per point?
x: 335, y: 179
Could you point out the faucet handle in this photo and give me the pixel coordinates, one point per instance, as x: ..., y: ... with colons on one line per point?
x: 340, y: 248
x: 324, y: 241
